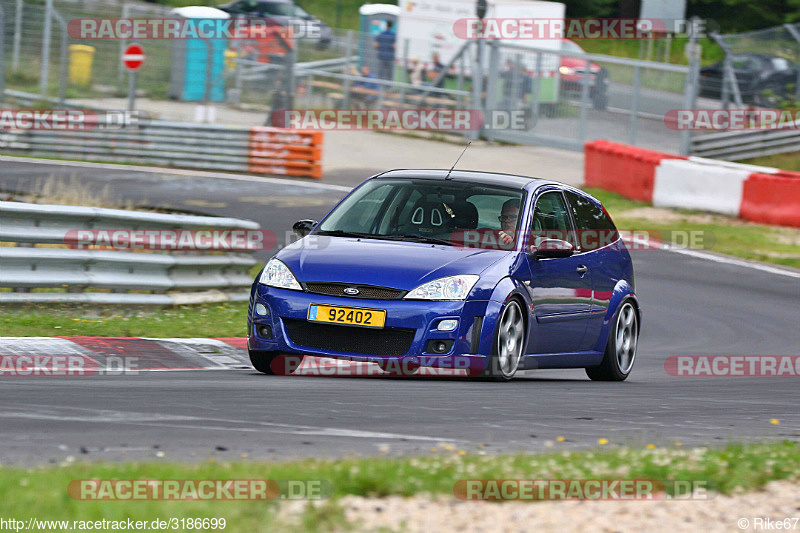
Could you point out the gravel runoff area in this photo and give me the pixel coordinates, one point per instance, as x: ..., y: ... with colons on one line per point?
x: 776, y: 501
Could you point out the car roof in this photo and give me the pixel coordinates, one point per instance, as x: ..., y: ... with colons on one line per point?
x: 470, y: 176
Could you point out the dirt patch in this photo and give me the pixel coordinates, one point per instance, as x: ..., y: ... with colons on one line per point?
x: 776, y: 501
x: 661, y: 215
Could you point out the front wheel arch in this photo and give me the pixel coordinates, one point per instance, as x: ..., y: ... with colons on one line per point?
x: 491, y: 370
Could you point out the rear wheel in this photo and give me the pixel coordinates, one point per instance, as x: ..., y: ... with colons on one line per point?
x: 621, y: 347
x: 274, y: 363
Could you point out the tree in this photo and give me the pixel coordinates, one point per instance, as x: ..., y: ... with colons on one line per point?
x: 734, y: 16
x: 592, y: 8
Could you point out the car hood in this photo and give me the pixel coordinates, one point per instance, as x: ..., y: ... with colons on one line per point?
x: 399, y: 265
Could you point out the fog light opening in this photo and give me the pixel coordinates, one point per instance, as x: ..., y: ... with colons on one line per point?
x: 439, y: 346
x: 264, y: 331
x: 447, y: 325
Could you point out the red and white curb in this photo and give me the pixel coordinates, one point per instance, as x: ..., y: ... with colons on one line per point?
x: 141, y: 354
x: 759, y: 194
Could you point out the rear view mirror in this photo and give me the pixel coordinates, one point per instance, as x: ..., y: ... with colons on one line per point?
x: 303, y: 227
x: 551, y: 249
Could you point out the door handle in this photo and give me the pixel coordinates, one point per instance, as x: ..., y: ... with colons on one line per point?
x: 582, y: 269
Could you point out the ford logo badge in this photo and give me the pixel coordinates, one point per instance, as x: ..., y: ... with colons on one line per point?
x: 351, y: 291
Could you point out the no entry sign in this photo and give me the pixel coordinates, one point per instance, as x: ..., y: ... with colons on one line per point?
x: 133, y: 57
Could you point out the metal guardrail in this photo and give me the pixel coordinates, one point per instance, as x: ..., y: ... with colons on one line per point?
x: 169, y: 278
x: 739, y: 145
x: 256, y: 150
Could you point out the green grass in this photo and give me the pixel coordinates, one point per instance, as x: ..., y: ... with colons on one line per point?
x: 711, y: 52
x: 789, y: 161
x: 41, y: 491
x: 726, y: 235
x: 205, y: 320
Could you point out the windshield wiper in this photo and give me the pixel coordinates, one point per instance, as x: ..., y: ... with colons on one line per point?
x: 376, y: 236
x: 423, y: 238
x: 342, y: 233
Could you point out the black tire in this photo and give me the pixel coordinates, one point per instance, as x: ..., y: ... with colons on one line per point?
x: 273, y: 363
x: 612, y: 368
x: 495, y: 369
x: 771, y: 96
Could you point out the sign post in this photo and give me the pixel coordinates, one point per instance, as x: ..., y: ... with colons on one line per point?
x: 132, y: 58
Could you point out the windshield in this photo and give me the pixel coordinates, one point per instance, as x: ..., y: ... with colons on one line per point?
x: 569, y: 46
x: 422, y: 210
x: 779, y: 63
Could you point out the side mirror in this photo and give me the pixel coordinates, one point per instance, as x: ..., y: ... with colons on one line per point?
x: 302, y: 228
x: 551, y: 249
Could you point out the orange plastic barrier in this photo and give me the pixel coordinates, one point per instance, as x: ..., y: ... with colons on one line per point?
x: 772, y: 199
x: 623, y: 169
x: 285, y: 152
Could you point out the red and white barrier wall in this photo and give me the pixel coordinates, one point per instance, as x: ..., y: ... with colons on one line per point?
x: 759, y: 194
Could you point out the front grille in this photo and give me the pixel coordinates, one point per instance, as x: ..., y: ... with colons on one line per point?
x: 367, y: 292
x: 389, y: 341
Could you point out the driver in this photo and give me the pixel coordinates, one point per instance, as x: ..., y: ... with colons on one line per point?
x: 508, y: 221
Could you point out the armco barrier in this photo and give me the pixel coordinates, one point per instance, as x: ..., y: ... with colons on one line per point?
x: 87, y: 275
x: 258, y: 150
x: 626, y: 170
x: 760, y: 194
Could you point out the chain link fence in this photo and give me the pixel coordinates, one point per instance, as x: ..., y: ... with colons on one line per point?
x: 760, y: 68
x: 576, y: 97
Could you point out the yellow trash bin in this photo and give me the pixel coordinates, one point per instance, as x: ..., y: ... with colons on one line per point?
x: 230, y: 59
x: 80, y: 63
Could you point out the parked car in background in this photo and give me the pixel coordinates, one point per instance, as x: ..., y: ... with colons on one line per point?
x: 572, y: 71
x: 778, y: 88
x: 284, y: 13
x: 755, y: 74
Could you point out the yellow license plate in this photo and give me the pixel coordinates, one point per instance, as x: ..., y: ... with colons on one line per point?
x: 351, y: 316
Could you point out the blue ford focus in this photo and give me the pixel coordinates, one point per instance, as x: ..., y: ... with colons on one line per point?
x: 489, y: 273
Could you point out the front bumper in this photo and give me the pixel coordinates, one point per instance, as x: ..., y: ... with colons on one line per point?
x: 418, y: 321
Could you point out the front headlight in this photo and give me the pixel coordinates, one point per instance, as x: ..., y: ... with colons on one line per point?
x: 450, y: 288
x: 566, y: 70
x: 276, y: 274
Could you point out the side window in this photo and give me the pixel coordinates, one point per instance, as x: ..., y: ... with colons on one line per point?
x: 550, y: 218
x: 550, y: 213
x: 595, y: 228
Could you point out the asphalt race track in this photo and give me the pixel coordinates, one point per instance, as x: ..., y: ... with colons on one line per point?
x: 692, y: 306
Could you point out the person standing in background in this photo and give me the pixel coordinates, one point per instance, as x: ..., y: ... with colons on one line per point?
x: 385, y: 44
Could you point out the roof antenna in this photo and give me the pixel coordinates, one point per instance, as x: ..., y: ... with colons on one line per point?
x: 457, y: 160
